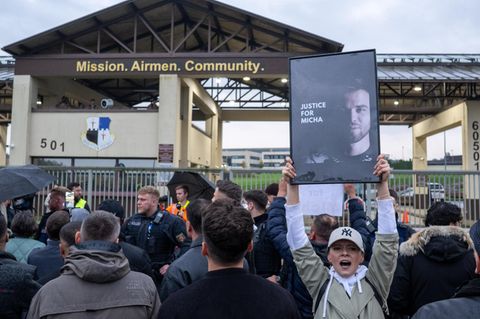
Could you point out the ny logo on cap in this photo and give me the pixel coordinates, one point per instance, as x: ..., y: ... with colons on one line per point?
x: 347, y: 232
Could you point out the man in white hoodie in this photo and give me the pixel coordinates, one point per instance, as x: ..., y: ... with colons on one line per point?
x: 347, y: 289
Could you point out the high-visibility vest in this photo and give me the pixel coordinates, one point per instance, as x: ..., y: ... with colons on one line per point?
x: 81, y: 203
x: 182, y: 212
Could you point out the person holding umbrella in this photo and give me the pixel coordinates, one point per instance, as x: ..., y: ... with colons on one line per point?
x: 180, y: 207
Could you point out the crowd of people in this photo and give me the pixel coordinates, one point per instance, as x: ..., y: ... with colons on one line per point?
x: 242, y: 254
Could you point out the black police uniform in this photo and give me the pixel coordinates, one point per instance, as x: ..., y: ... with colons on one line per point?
x: 158, y: 235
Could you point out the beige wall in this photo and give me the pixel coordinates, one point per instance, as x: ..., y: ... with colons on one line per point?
x: 135, y: 134
x: 200, y: 147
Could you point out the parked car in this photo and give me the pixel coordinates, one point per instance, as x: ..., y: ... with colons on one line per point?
x: 407, y: 192
x: 436, y: 191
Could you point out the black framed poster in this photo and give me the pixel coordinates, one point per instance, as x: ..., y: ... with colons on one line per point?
x: 334, y: 131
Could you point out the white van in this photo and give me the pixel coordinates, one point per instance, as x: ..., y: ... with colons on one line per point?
x: 436, y: 190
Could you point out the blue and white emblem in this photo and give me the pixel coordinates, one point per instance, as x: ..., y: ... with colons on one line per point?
x: 97, y: 135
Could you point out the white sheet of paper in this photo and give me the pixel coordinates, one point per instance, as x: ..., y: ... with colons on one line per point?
x: 322, y: 199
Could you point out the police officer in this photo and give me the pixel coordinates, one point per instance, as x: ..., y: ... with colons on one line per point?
x: 77, y: 194
x: 155, y: 231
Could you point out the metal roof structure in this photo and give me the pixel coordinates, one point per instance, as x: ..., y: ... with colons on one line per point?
x: 411, y: 86
x: 7, y: 65
x: 415, y: 86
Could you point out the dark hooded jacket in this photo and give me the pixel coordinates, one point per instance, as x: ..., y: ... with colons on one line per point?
x: 97, y: 278
x: 187, y: 269
x: 17, y: 286
x: 432, y: 264
x: 465, y: 304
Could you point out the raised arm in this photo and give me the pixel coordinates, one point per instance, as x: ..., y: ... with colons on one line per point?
x: 309, y: 265
x: 277, y: 224
x: 296, y: 236
x: 385, y: 249
x: 386, y: 212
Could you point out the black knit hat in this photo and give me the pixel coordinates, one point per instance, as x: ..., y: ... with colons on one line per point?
x: 475, y: 234
x: 112, y: 206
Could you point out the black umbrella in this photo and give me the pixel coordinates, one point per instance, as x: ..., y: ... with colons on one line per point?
x: 198, y: 185
x: 17, y: 181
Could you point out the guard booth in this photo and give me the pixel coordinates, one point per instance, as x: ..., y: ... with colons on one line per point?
x: 148, y: 83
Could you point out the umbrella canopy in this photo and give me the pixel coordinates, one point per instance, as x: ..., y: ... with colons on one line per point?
x: 17, y: 181
x: 199, y: 186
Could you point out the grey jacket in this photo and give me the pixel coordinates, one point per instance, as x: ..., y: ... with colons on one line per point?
x: 187, y: 269
x: 361, y: 305
x: 97, y: 278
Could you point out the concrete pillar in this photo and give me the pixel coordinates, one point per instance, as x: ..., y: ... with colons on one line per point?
x: 419, y: 151
x: 217, y: 139
x: 169, y: 122
x: 471, y: 137
x: 25, y: 91
x: 186, y: 103
x: 3, y: 145
x: 471, y: 159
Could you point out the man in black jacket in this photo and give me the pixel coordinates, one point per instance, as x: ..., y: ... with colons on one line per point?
x: 192, y: 265
x: 228, y: 291
x: 264, y: 258
x: 465, y: 303
x: 17, y: 286
x: 433, y: 262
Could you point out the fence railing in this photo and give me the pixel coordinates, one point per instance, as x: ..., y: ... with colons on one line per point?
x: 417, y: 190
x: 117, y: 183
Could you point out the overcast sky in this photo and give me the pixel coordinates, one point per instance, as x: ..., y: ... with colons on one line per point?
x: 389, y: 26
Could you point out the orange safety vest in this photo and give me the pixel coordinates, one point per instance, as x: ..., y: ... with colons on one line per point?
x: 182, y: 212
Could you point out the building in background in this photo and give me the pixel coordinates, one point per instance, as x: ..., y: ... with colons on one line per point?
x: 254, y: 157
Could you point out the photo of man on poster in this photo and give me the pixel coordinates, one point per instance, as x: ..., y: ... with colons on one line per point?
x: 334, y: 117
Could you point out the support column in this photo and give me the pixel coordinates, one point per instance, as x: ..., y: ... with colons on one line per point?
x: 186, y: 103
x: 169, y: 123
x: 3, y: 145
x: 471, y: 160
x: 217, y: 137
x: 419, y: 162
x: 419, y: 152
x: 25, y: 91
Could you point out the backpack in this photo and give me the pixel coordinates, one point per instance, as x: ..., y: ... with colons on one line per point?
x: 375, y: 292
x: 259, y: 233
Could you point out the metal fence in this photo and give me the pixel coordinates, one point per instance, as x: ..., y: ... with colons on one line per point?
x: 417, y: 190
x: 121, y: 184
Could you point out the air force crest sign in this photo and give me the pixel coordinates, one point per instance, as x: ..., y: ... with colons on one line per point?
x: 97, y: 135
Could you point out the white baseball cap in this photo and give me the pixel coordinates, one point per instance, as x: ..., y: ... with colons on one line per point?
x: 346, y: 233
